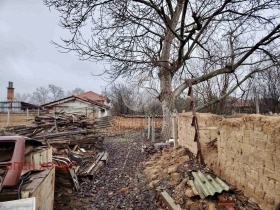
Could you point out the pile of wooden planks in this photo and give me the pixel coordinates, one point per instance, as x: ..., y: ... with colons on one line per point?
x: 59, y: 129
x: 74, y: 140
x: 52, y: 123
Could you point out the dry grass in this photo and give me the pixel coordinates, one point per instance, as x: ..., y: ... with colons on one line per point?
x: 15, y: 119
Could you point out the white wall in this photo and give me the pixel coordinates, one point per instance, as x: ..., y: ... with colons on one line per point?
x: 79, y: 106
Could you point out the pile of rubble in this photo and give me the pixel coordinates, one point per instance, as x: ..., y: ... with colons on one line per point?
x: 184, y: 184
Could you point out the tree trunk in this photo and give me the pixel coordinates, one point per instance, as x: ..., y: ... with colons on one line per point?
x: 168, y: 104
x: 166, y: 74
x: 167, y: 109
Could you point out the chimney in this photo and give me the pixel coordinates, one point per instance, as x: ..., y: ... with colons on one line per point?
x: 10, y: 92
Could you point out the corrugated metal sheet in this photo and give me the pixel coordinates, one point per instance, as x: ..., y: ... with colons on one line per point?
x: 10, y: 106
x: 205, y: 185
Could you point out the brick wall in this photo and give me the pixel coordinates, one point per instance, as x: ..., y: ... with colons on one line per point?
x: 246, y: 152
x: 208, y: 130
x: 134, y: 122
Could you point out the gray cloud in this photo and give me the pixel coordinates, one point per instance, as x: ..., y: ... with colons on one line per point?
x: 29, y: 60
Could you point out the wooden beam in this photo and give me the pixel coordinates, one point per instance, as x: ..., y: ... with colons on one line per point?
x: 169, y: 201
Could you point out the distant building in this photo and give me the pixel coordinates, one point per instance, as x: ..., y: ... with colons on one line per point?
x: 12, y: 105
x: 87, y: 103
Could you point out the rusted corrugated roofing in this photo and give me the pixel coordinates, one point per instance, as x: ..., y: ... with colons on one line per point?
x: 205, y: 185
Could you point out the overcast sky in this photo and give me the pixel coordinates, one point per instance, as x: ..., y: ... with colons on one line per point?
x: 29, y: 60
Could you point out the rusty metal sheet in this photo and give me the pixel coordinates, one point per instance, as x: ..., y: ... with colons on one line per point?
x: 14, y: 166
x: 206, y: 185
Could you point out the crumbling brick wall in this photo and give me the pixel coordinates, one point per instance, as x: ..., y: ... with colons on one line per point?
x: 247, y: 153
x: 208, y: 131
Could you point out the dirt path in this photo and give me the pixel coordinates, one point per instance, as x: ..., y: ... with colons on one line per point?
x: 120, y: 185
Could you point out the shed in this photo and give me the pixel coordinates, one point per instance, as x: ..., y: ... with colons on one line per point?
x: 16, y: 106
x: 77, y: 104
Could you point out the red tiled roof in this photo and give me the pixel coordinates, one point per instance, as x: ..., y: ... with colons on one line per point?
x: 92, y: 96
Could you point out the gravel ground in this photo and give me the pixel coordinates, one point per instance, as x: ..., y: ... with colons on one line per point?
x: 120, y: 185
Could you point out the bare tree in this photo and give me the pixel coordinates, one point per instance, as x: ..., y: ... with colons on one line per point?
x: 55, y: 92
x: 76, y: 91
x: 115, y: 93
x: 162, y: 39
x: 25, y: 97
x: 270, y: 90
x: 129, y: 99
x: 41, y: 96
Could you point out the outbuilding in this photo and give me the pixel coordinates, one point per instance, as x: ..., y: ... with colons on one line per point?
x: 87, y: 103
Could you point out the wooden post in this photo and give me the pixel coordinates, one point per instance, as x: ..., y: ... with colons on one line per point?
x: 27, y: 112
x: 38, y: 111
x: 149, y: 126
x: 257, y: 105
x: 153, y: 128
x: 86, y: 111
x: 8, y: 117
x: 175, y: 130
x: 143, y: 126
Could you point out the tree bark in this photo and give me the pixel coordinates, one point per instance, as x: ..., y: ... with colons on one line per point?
x: 167, y: 109
x: 168, y: 104
x: 166, y: 74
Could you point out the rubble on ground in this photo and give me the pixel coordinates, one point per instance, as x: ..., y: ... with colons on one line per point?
x: 175, y: 171
x: 120, y: 185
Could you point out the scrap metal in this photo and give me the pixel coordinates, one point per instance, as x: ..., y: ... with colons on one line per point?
x: 12, y: 177
x: 206, y: 185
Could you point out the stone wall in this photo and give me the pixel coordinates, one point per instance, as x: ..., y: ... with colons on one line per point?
x: 246, y: 153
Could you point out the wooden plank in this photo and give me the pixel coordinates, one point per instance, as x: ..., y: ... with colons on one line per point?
x: 35, y: 159
x: 42, y: 188
x: 65, y: 133
x: 88, y: 170
x: 169, y: 201
x: 105, y: 157
x: 22, y: 204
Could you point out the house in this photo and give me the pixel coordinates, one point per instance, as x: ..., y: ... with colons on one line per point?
x: 87, y: 103
x: 14, y: 106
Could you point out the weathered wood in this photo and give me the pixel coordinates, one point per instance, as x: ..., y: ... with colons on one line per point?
x: 97, y: 168
x: 22, y: 204
x: 153, y: 128
x: 42, y: 188
x: 35, y: 159
x: 89, y: 169
x: 60, y: 134
x: 149, y: 127
x: 105, y: 157
x: 175, y: 130
x: 169, y: 201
